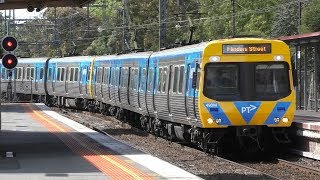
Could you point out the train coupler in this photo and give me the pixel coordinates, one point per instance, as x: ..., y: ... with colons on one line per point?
x: 280, y: 135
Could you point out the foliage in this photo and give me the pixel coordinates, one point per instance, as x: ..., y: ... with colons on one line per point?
x: 103, y: 34
x: 311, y: 16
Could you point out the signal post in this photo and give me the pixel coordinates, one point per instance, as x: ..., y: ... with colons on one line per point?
x: 9, y: 61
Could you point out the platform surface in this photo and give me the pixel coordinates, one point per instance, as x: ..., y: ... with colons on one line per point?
x: 37, y: 143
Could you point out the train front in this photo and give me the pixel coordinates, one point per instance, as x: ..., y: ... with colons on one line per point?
x: 246, y: 86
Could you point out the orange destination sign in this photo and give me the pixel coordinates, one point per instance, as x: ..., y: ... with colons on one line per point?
x: 246, y: 48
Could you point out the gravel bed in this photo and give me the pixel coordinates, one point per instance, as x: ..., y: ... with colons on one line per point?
x: 189, y: 159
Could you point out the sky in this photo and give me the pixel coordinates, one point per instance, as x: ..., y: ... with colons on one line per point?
x: 24, y: 14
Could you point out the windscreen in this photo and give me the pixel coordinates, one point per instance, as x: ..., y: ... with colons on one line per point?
x: 246, y: 81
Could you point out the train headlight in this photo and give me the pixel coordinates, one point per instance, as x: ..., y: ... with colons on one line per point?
x: 214, y: 59
x: 210, y: 120
x: 285, y: 120
x: 278, y: 58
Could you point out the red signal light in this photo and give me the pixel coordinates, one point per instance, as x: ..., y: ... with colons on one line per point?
x: 9, y: 61
x: 9, y: 43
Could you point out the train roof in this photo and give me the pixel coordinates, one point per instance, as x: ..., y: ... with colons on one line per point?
x: 72, y: 59
x: 32, y: 60
x: 181, y: 50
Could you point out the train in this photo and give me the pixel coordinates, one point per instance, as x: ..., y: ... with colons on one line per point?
x: 236, y: 92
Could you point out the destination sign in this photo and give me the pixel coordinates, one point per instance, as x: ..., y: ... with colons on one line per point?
x: 246, y: 48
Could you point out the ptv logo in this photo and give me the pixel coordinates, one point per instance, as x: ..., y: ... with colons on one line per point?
x: 248, y: 109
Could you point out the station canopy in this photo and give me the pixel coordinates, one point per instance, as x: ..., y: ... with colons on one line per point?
x: 23, y: 4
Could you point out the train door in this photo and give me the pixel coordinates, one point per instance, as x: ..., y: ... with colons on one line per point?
x: 36, y: 82
x: 95, y: 81
x: 54, y: 78
x: 187, y: 90
x: 67, y: 79
x: 155, y: 77
x: 169, y: 88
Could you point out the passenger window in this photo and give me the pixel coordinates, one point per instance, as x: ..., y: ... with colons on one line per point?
x: 71, y: 74
x: 20, y: 73
x: 59, y: 74
x: 50, y: 74
x: 3, y: 73
x: 76, y: 74
x: 143, y: 80
x: 41, y: 74
x: 164, y: 79
x: 150, y: 79
x: 28, y: 73
x: 181, y: 78
x: 159, y: 80
x: 15, y: 73
x: 107, y: 75
x: 135, y: 80
x: 175, y: 79
x: 62, y: 74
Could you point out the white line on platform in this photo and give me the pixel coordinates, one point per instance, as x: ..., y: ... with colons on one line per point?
x: 155, y: 164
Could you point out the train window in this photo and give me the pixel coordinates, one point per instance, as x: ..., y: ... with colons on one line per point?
x: 50, y: 74
x: 181, y: 79
x: 15, y: 73
x: 175, y: 79
x: 221, y: 81
x: 24, y: 73
x: 3, y: 73
x: 59, y: 74
x: 143, y: 80
x: 164, y: 79
x: 76, y: 74
x: 159, y: 80
x: 41, y: 73
x: 28, y: 73
x: 95, y: 75
x: 107, y: 75
x: 131, y: 85
x: 71, y: 76
x: 116, y: 79
x: 62, y: 74
x: 32, y: 73
x: 271, y: 79
x: 150, y: 78
x: 19, y: 73
x: 136, y: 77
x: 88, y: 73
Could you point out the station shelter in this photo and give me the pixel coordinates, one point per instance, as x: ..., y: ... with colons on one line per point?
x: 305, y: 49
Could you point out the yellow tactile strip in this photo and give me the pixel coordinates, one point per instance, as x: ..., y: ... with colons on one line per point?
x: 110, y: 165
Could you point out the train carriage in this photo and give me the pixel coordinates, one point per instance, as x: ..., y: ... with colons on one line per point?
x: 69, y: 79
x: 169, y: 93
x: 237, y: 90
x: 27, y: 78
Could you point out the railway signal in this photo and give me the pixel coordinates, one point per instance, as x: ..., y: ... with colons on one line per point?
x: 9, y: 45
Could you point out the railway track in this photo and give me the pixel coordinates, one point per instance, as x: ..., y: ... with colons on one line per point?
x: 277, y: 169
x: 307, y: 169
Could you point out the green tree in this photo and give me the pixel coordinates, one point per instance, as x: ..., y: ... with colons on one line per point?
x: 311, y: 16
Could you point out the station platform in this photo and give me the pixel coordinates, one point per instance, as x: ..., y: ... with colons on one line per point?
x: 37, y: 143
x: 306, y: 134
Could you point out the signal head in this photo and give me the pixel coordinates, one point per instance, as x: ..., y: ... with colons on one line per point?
x: 9, y: 43
x: 9, y: 61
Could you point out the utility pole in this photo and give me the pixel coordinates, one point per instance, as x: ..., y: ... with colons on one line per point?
x: 162, y: 23
x: 125, y: 30
x: 182, y: 11
x: 233, y: 18
x: 104, y: 13
x: 88, y: 17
